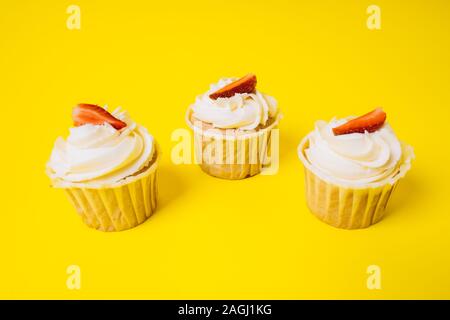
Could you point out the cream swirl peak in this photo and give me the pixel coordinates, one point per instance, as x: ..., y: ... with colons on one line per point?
x: 244, y: 111
x: 100, y: 153
x: 354, y: 158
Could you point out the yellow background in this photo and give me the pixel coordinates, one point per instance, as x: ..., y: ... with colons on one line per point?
x: 212, y: 238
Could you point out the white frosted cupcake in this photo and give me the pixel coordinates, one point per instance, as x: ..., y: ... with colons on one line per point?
x: 233, y: 124
x: 107, y: 166
x: 352, y: 165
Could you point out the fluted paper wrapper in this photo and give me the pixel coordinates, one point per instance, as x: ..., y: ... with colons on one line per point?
x: 234, y: 157
x: 118, y: 207
x: 350, y: 207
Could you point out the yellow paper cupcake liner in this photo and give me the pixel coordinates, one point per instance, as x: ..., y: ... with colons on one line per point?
x: 117, y: 207
x: 346, y: 206
x: 234, y: 157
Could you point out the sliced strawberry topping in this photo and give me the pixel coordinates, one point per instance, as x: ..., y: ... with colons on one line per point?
x: 246, y: 84
x: 369, y: 122
x: 89, y: 113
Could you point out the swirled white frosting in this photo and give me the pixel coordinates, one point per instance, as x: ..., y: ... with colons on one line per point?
x: 100, y: 153
x: 357, y: 158
x: 244, y: 111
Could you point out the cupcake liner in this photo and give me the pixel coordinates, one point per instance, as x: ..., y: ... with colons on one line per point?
x: 233, y: 156
x: 116, y: 207
x: 347, y: 206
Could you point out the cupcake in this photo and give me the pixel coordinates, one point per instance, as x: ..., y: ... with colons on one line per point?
x: 233, y: 128
x: 352, y: 166
x: 107, y: 166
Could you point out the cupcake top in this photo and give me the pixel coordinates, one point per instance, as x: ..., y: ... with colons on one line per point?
x: 102, y: 147
x: 355, y: 151
x: 235, y: 104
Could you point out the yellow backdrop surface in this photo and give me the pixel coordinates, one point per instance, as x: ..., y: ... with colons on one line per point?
x: 212, y: 238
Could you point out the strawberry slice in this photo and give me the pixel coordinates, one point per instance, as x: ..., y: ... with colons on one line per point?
x: 369, y: 122
x: 85, y: 113
x: 245, y: 84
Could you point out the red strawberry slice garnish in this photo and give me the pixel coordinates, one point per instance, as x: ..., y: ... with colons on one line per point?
x: 246, y: 84
x: 369, y: 122
x: 92, y: 114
